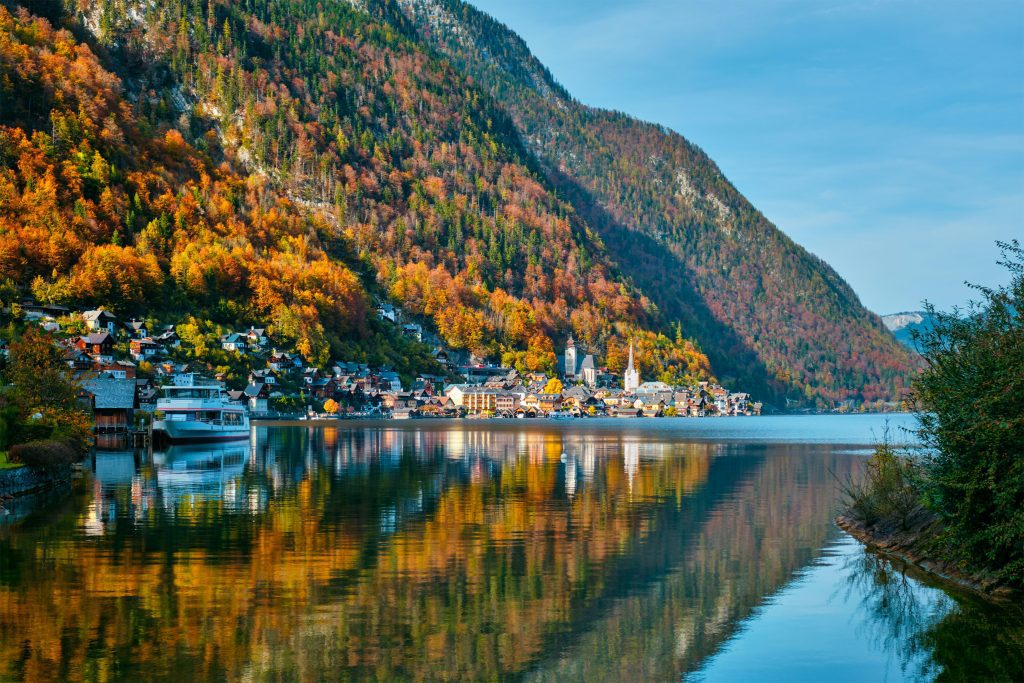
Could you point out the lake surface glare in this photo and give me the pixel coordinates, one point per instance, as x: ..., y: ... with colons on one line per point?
x: 583, y: 550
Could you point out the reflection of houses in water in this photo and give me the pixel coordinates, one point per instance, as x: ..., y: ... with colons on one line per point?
x: 115, y: 468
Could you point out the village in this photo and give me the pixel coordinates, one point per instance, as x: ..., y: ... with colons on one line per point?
x: 122, y: 365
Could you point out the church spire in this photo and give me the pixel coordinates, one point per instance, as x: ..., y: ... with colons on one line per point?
x: 631, y: 378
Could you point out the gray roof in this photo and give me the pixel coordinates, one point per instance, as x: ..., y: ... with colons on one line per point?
x: 96, y: 338
x: 112, y: 394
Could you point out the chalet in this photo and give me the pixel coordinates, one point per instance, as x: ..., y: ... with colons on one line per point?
x: 234, y: 342
x: 323, y: 388
x: 403, y: 406
x: 386, y: 311
x: 137, y: 328
x: 538, y: 378
x: 531, y: 402
x: 265, y: 376
x: 739, y: 403
x: 146, y: 394
x: 113, y: 403
x: 284, y: 362
x: 613, y: 398
x: 413, y: 331
x: 388, y: 380
x: 653, y: 406
x: 258, y: 398
x: 144, y: 349
x: 438, y: 406
x: 423, y: 387
x: 257, y: 337
x: 169, y: 338
x: 121, y: 369
x: 78, y: 360
x: 549, y: 403
x: 441, y: 356
x: 627, y: 410
x: 99, y: 345
x: 101, y: 321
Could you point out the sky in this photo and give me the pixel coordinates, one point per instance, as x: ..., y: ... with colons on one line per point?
x: 885, y: 136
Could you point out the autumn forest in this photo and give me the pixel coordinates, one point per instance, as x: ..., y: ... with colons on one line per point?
x: 297, y: 162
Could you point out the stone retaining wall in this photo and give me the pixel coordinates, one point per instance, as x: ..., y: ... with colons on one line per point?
x: 14, y: 482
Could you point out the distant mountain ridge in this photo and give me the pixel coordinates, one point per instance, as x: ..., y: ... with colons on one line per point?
x: 903, y: 325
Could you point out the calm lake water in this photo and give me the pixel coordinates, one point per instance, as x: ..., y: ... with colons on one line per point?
x: 585, y: 550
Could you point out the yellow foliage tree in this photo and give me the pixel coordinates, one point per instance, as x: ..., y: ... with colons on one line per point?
x: 554, y: 386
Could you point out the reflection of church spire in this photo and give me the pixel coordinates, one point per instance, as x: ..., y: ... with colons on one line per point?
x: 630, y: 461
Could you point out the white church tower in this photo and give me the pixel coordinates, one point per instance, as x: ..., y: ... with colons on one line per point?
x: 571, y: 360
x: 632, y: 378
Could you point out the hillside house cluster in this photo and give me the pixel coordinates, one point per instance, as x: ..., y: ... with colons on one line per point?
x: 106, y: 353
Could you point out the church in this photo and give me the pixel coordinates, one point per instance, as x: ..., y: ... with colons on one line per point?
x: 579, y: 365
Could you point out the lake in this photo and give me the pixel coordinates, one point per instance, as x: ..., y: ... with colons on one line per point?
x: 582, y: 550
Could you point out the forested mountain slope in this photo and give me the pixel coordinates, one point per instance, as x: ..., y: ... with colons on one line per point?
x: 280, y: 160
x: 768, y: 312
x: 289, y: 161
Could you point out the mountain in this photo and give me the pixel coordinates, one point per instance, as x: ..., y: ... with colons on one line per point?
x: 292, y: 161
x: 903, y: 325
x: 770, y: 314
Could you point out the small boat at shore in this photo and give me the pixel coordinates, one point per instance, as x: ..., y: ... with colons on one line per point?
x: 194, y: 412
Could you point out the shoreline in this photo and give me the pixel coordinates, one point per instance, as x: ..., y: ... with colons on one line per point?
x: 908, y: 548
x: 21, y: 481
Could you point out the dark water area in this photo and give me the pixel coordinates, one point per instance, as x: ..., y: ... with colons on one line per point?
x: 524, y: 550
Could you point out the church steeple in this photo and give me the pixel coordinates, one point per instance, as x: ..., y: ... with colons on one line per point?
x: 631, y: 379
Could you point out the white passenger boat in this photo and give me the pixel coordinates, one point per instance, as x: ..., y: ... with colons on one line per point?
x: 192, y: 411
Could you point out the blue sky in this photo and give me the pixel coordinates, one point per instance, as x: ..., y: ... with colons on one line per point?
x: 886, y: 136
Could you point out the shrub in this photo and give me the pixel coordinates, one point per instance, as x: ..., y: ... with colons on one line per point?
x: 44, y: 455
x: 969, y: 402
x: 890, y: 493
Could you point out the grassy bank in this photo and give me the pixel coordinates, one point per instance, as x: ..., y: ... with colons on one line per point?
x: 5, y: 464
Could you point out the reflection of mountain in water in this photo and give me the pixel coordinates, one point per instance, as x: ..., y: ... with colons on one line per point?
x: 469, y: 553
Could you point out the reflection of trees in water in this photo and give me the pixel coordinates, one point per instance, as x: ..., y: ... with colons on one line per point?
x: 895, y: 609
x: 932, y: 634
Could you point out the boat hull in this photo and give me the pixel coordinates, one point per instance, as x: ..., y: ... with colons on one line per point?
x: 187, y: 431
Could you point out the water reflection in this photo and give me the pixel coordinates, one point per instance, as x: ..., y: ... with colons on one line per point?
x: 953, y: 636
x: 445, y: 551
